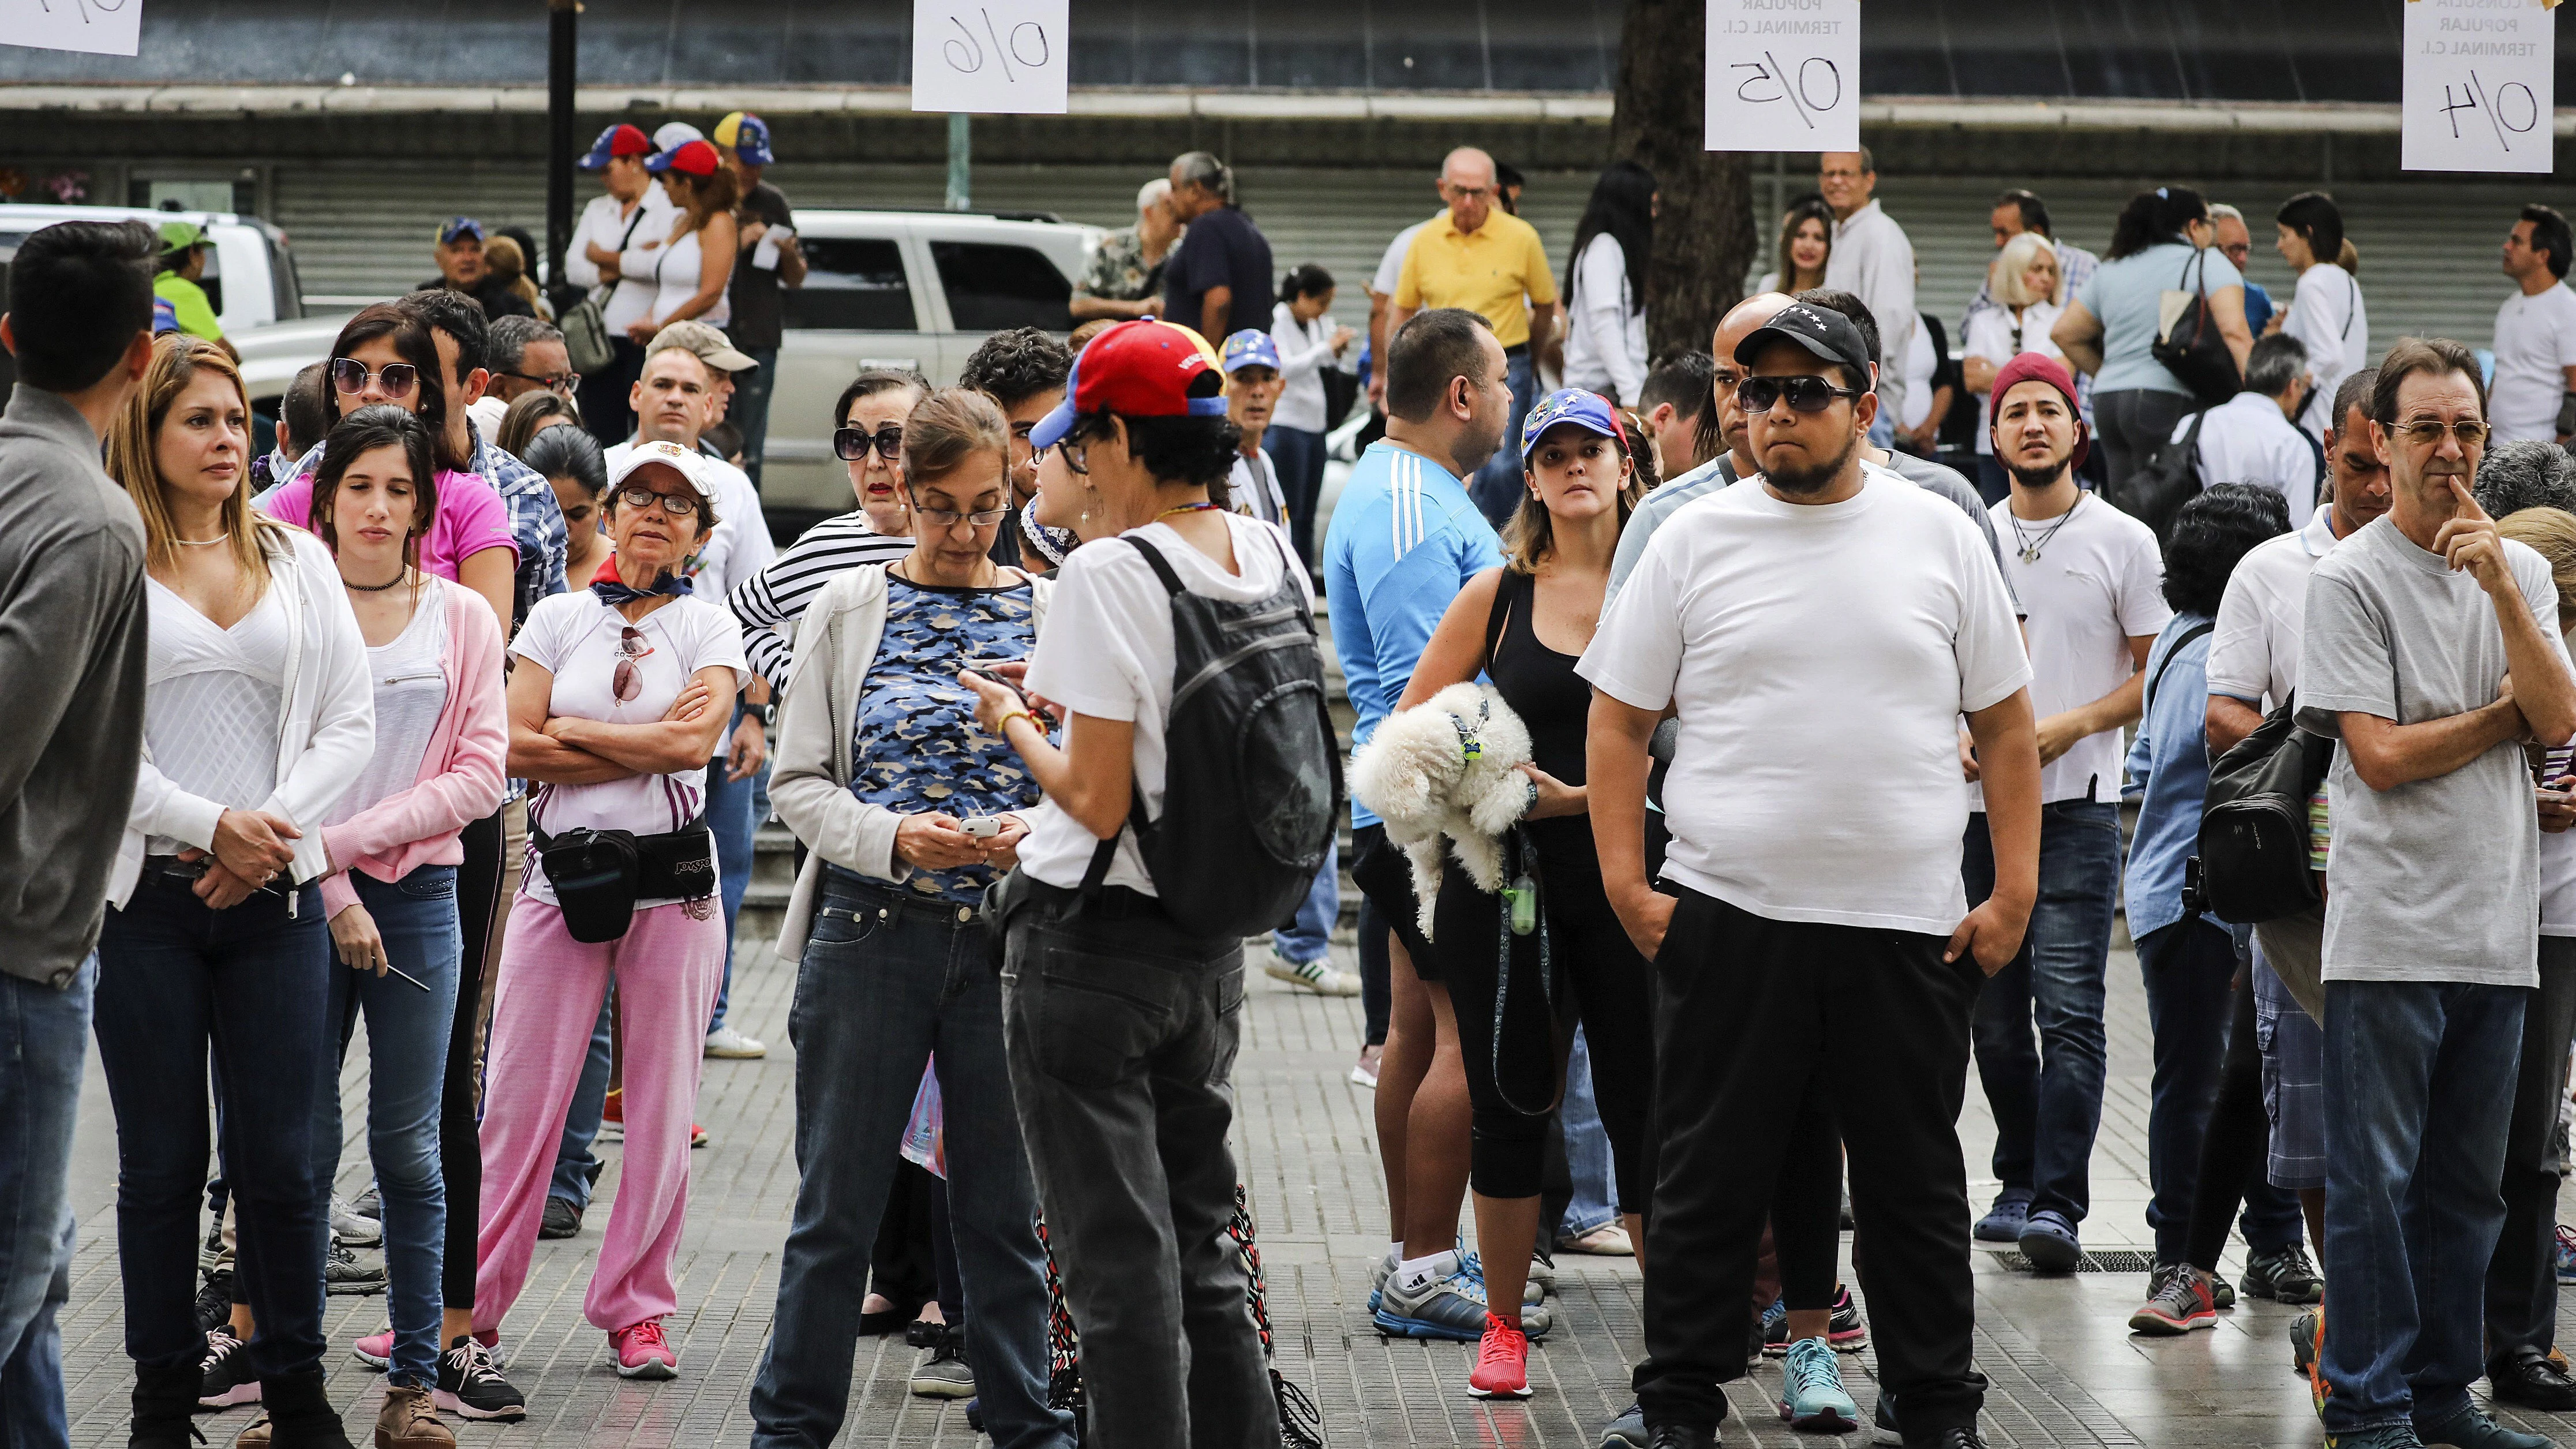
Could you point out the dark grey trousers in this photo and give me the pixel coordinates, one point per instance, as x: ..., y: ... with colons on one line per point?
x: 2522, y: 1278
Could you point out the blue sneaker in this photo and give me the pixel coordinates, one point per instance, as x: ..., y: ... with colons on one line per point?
x: 2003, y: 1222
x: 1775, y: 1329
x: 2048, y: 1240
x: 2470, y: 1427
x: 1628, y: 1431
x: 1811, y: 1391
x: 2567, y: 1255
x: 1451, y: 1307
x: 1533, y: 1288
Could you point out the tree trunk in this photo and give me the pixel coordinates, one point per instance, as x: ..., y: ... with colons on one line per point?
x: 1704, y: 237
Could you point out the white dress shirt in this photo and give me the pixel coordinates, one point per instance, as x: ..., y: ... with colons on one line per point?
x: 1873, y: 260
x: 2246, y: 439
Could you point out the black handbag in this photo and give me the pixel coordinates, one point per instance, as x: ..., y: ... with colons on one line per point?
x: 1341, y: 394
x: 2155, y: 494
x: 2191, y: 348
x: 2252, y: 864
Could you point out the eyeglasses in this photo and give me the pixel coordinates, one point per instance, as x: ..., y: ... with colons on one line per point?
x: 852, y: 444
x: 563, y: 382
x: 1807, y: 394
x: 395, y: 379
x: 628, y: 681
x: 950, y: 518
x: 674, y: 505
x: 2427, y: 432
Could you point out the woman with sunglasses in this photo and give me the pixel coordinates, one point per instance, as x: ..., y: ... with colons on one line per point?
x: 869, y: 437
x: 384, y: 356
x: 619, y: 695
x: 910, y: 812
x: 257, y: 718
x: 1524, y: 625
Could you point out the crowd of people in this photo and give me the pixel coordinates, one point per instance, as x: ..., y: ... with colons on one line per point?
x: 1739, y: 758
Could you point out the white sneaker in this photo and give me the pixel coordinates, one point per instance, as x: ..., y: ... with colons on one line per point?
x: 1317, y: 976
x: 724, y: 1041
x: 352, y: 1231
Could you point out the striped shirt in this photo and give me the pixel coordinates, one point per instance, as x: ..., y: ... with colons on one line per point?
x: 770, y: 602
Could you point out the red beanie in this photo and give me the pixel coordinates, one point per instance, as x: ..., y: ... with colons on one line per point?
x: 2040, y: 367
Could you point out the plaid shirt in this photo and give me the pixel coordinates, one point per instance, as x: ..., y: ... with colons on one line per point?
x: 536, y: 524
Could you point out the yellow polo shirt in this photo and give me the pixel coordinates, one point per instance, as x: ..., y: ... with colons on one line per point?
x: 1488, y: 270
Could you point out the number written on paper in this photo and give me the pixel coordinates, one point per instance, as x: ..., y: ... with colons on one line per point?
x: 1783, y: 75
x: 992, y: 56
x: 101, y: 27
x: 2479, y: 86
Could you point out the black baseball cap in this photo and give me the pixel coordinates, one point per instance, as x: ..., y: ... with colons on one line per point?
x: 1828, y: 334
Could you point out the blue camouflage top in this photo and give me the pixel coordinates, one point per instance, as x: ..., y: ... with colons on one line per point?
x: 915, y: 747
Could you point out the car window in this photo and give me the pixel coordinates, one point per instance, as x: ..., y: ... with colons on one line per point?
x: 852, y: 284
x: 991, y: 287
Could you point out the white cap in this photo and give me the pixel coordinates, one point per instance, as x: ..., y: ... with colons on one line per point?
x: 675, y: 134
x: 683, y: 461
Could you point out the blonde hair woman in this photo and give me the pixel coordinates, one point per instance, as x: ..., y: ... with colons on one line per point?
x: 257, y: 717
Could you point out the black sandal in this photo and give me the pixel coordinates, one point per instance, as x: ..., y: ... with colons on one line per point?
x: 891, y: 1320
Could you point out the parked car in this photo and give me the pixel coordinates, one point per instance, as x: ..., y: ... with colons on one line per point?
x: 250, y: 279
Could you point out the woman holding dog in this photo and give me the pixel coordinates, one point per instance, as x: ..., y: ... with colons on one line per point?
x: 1523, y: 626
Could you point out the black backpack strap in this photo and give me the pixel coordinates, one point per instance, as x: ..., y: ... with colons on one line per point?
x: 1162, y: 566
x: 1106, y: 853
x: 2194, y: 632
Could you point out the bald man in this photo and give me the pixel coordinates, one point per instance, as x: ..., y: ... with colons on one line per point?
x: 1480, y: 257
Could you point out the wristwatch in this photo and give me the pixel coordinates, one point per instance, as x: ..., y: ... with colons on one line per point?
x: 767, y: 714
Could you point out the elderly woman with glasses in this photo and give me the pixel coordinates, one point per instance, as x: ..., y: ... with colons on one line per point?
x: 909, y: 812
x: 619, y: 696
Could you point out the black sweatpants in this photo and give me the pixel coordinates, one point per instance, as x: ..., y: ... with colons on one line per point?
x: 2522, y: 1278
x: 2237, y: 1141
x: 460, y: 1143
x: 1751, y: 1012
x: 1602, y: 982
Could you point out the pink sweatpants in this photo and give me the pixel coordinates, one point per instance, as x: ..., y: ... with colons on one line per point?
x: 667, y: 967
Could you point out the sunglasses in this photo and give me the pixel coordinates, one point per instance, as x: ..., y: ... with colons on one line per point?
x: 674, y: 505
x: 852, y: 444
x: 396, y: 379
x: 628, y: 681
x: 1807, y: 394
x: 563, y: 382
x: 2427, y: 432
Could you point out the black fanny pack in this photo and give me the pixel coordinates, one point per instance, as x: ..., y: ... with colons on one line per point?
x: 599, y: 875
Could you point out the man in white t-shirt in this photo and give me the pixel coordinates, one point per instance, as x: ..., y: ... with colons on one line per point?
x: 2090, y: 578
x: 2535, y: 334
x: 2431, y: 656
x: 1818, y: 630
x: 2250, y: 439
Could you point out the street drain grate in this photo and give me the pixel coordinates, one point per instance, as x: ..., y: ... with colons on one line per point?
x: 2116, y: 1260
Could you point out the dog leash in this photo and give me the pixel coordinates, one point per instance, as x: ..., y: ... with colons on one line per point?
x: 1523, y: 891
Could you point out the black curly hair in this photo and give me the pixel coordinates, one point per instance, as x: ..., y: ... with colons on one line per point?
x: 1013, y: 366
x: 2211, y: 533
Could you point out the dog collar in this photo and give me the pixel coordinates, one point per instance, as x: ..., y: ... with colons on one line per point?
x: 1471, y: 744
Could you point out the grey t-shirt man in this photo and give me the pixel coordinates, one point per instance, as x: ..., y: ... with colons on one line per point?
x: 2435, y: 880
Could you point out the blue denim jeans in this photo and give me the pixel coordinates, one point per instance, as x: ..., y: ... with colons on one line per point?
x: 732, y: 819
x: 44, y: 1032
x: 2419, y: 1094
x: 1587, y: 1149
x: 254, y: 982
x: 888, y: 980
x: 1497, y: 487
x: 1311, y: 937
x: 2190, y: 969
x: 1300, y: 456
x: 576, y: 1166
x: 2047, y: 1094
x: 750, y: 409
x: 406, y: 1075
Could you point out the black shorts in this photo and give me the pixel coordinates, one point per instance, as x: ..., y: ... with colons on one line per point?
x: 1385, y: 878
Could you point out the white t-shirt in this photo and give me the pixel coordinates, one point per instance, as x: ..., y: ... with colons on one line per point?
x: 1390, y: 268
x: 740, y: 547
x: 2097, y: 584
x: 2247, y: 439
x: 1106, y: 651
x: 2254, y: 652
x: 2329, y: 316
x: 410, y: 679
x: 577, y: 638
x: 1256, y: 489
x: 2535, y: 344
x: 1821, y: 656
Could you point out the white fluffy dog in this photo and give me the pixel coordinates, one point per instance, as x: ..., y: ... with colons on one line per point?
x: 1447, y: 768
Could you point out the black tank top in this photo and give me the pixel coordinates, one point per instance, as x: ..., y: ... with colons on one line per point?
x: 1554, y: 704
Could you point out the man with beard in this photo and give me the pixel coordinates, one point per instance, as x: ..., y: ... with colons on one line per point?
x: 1818, y: 630
x: 2090, y: 578
x: 2432, y: 653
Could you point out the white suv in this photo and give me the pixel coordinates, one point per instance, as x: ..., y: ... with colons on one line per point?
x: 900, y: 289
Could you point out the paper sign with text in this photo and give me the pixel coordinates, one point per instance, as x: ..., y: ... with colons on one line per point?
x: 1783, y: 75
x: 103, y: 27
x: 2478, y: 85
x: 989, y: 56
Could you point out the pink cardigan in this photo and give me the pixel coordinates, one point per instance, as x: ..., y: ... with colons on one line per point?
x: 460, y: 778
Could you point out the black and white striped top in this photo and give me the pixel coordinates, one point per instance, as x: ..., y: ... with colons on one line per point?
x: 770, y: 602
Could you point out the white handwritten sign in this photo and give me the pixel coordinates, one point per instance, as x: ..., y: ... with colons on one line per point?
x: 989, y: 56
x: 102, y: 27
x: 1783, y: 75
x: 2478, y: 85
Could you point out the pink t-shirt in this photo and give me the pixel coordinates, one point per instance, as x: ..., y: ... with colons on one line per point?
x: 471, y: 518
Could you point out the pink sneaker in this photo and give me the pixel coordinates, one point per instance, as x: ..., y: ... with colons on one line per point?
x: 376, y: 1350
x: 642, y: 1352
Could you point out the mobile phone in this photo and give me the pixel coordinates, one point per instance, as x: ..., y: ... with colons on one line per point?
x: 991, y: 678
x: 983, y: 827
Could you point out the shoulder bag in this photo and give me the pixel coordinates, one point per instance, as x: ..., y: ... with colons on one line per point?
x: 584, y: 324
x: 2187, y: 337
